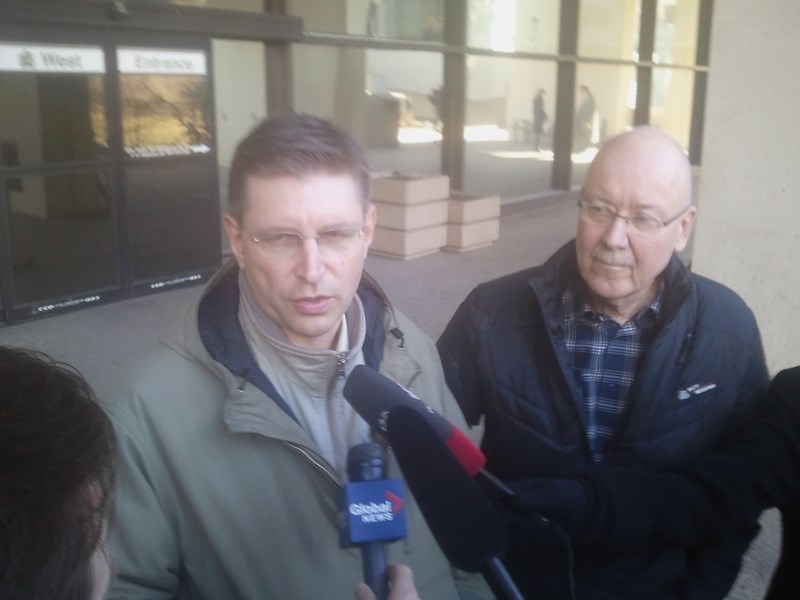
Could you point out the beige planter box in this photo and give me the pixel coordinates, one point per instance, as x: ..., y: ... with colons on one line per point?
x: 469, y: 236
x: 396, y: 243
x: 469, y: 208
x: 412, y: 216
x: 405, y: 188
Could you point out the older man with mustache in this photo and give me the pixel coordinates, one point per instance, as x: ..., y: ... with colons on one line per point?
x: 610, y: 353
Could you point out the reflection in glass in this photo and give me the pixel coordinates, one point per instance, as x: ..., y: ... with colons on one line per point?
x: 174, y: 217
x: 613, y: 98
x: 514, y: 25
x: 676, y: 31
x: 165, y: 115
x: 671, y: 102
x: 501, y: 129
x: 51, y: 117
x: 386, y: 99
x: 608, y: 29
x: 398, y: 117
x: 417, y: 20
x: 61, y: 237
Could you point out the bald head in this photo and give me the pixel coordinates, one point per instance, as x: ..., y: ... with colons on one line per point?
x: 650, y: 157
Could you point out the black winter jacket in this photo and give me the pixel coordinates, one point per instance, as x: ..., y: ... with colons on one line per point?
x: 724, y: 490
x: 505, y: 360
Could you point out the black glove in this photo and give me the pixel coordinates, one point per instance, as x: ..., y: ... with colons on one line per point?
x: 564, y: 501
x: 539, y: 551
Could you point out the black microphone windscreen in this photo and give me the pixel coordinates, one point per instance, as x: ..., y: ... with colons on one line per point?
x: 372, y: 395
x: 366, y: 462
x: 465, y: 524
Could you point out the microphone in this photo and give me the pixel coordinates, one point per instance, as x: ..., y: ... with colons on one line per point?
x: 374, y: 512
x: 374, y: 396
x: 466, y: 526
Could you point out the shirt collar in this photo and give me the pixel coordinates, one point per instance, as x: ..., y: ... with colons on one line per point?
x: 575, y: 306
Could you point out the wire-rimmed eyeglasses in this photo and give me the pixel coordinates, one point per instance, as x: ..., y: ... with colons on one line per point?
x: 286, y: 245
x: 602, y: 214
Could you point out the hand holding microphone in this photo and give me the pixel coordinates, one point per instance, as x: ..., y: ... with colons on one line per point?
x: 401, y: 585
x: 442, y: 467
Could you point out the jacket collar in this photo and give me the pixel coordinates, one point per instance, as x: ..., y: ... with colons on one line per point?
x: 561, y: 271
x: 224, y: 340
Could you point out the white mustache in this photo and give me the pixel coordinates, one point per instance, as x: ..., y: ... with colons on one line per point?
x: 611, y: 259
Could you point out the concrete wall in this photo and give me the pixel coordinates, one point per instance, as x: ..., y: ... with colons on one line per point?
x: 748, y: 232
x: 240, y: 92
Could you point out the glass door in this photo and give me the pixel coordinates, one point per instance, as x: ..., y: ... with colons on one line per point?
x: 108, y: 175
x: 171, y: 180
x: 58, y: 238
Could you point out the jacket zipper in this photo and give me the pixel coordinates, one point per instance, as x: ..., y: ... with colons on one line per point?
x: 316, y: 462
x: 683, y: 355
x: 397, y: 333
x: 341, y: 362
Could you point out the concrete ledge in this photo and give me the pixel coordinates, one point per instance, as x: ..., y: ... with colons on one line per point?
x: 469, y: 236
x: 406, y: 188
x: 410, y: 217
x: 470, y: 208
x: 395, y: 243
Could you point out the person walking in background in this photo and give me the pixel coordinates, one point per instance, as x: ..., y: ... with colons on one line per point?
x: 539, y: 119
x: 612, y: 352
x: 585, y: 120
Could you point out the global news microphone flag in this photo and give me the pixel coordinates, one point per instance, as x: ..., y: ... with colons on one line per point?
x: 372, y: 507
x: 374, y: 511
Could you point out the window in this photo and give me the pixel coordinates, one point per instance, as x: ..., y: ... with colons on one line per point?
x: 505, y: 154
x: 514, y: 25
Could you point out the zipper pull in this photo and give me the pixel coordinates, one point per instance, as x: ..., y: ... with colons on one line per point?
x: 342, y: 361
x: 398, y: 334
x: 687, y: 343
x: 243, y: 381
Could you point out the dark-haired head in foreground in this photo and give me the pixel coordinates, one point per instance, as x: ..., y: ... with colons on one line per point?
x: 56, y: 447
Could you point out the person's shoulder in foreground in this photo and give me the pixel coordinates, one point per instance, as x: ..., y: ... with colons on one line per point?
x: 56, y: 449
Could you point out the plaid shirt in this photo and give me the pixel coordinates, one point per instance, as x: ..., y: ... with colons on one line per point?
x: 605, y: 360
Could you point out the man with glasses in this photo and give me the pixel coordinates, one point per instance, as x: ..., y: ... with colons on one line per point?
x: 234, y: 435
x: 610, y: 353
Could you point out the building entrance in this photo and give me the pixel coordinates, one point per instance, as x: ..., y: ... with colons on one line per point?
x: 108, y: 176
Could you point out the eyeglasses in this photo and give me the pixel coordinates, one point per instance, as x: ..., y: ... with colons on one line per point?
x: 285, y: 245
x: 600, y: 214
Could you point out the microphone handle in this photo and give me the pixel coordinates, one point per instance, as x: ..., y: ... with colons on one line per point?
x: 373, y: 558
x: 366, y: 462
x: 493, y: 486
x: 500, y: 582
